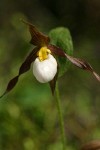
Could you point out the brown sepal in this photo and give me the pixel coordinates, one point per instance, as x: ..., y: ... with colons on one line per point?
x: 52, y: 83
x: 56, y: 50
x: 38, y: 38
x: 83, y: 65
x: 76, y: 61
x: 24, y: 68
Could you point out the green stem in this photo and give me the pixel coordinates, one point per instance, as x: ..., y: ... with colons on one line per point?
x: 58, y: 102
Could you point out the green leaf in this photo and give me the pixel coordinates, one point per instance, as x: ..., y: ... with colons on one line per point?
x: 61, y: 37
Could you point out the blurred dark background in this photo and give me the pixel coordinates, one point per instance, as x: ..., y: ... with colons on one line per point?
x: 28, y: 115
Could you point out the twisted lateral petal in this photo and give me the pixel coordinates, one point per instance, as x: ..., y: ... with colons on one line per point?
x: 45, y: 71
x: 24, y: 68
x: 76, y: 61
x: 83, y: 65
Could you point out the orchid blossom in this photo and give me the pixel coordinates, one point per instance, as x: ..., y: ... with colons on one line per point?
x: 45, y: 66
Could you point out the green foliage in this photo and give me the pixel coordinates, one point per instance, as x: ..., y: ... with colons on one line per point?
x: 61, y: 37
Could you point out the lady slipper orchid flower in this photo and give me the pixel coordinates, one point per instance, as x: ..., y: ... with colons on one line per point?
x: 45, y: 66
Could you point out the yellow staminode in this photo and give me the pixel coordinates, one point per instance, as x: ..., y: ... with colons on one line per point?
x: 43, y: 53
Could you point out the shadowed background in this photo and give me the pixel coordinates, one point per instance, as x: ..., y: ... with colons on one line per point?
x: 28, y: 115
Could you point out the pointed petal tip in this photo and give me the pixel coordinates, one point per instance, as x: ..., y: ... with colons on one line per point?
x: 26, y: 22
x: 52, y: 84
x: 22, y: 20
x: 83, y: 65
x: 53, y: 92
x: 96, y: 76
x: 52, y: 88
x: 2, y: 95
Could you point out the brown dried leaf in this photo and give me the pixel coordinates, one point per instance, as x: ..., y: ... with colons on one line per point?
x: 76, y: 61
x: 38, y: 38
x: 93, y: 145
x: 24, y: 68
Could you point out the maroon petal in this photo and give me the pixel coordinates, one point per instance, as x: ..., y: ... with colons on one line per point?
x: 83, y: 65
x: 24, y: 68
x: 38, y: 38
x: 56, y: 50
x: 76, y: 61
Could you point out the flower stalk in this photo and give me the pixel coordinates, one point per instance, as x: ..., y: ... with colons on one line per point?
x: 60, y: 115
